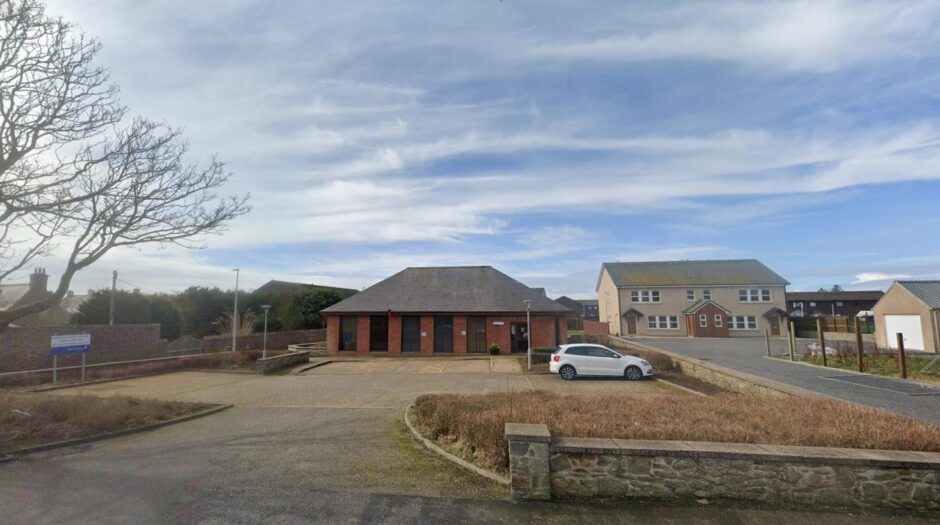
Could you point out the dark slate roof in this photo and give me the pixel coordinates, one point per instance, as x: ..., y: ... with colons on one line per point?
x: 851, y: 295
x: 699, y: 273
x: 588, y: 302
x: 274, y: 287
x: 926, y: 291
x: 453, y: 289
x: 698, y: 306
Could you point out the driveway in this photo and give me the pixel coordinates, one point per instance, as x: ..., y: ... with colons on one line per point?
x: 324, y: 446
x: 749, y: 355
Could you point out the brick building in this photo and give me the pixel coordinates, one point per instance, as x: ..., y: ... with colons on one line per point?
x: 444, y: 310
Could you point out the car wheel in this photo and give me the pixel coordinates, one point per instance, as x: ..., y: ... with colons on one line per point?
x: 633, y: 373
x: 568, y: 372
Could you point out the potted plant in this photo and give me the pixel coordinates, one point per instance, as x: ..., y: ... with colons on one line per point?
x: 494, y: 349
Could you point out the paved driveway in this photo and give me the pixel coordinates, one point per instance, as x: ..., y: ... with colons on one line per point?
x: 748, y: 355
x: 327, y: 446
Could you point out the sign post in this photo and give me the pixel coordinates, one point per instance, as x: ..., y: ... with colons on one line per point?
x: 68, y: 344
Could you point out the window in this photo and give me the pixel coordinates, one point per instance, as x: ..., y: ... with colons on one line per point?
x: 812, y: 303
x: 690, y: 295
x: 753, y: 295
x: 839, y: 303
x: 742, y: 322
x: 644, y: 296
x: 347, y: 332
x: 663, y: 322
x: 707, y: 295
x: 703, y: 320
x: 795, y: 304
x: 718, y: 320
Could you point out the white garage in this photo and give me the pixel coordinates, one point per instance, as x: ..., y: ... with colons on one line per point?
x: 910, y: 328
x: 912, y: 309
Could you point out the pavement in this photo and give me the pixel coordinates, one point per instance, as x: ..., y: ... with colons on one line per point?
x: 327, y: 445
x: 748, y: 355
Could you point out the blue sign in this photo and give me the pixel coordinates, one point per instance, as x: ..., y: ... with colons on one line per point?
x: 71, y: 344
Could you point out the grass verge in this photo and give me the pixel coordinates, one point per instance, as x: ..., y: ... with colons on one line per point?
x: 878, y: 364
x: 55, y: 418
x: 473, y: 424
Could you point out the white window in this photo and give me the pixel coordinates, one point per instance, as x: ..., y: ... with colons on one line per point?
x: 838, y: 303
x: 754, y: 295
x: 644, y: 296
x: 812, y: 303
x: 718, y: 320
x: 703, y: 320
x: 707, y: 295
x: 663, y: 322
x: 742, y: 322
x: 690, y: 295
x: 795, y: 304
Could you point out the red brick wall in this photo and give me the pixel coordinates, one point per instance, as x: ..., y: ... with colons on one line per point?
x: 460, y: 334
x: 394, y: 335
x: 27, y: 348
x: 498, y: 334
x: 594, y: 328
x: 427, y: 334
x: 332, y: 334
x: 362, y: 335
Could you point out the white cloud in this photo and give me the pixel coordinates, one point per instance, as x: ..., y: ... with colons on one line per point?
x: 873, y: 277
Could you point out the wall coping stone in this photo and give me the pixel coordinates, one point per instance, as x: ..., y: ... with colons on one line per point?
x: 532, y: 432
x: 744, y: 451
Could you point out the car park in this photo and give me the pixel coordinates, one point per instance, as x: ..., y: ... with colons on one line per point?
x: 573, y: 360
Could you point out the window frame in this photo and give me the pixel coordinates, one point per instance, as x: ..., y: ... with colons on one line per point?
x: 707, y: 295
x: 663, y: 322
x: 742, y: 322
x: 718, y: 320
x: 343, y: 344
x: 754, y: 295
x: 690, y: 295
x: 645, y: 296
x: 703, y: 320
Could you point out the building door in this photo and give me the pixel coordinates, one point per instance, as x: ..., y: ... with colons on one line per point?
x: 519, y: 337
x: 910, y: 328
x: 476, y: 334
x: 443, y: 334
x: 411, y: 333
x: 378, y: 333
x: 631, y: 325
x: 774, y: 325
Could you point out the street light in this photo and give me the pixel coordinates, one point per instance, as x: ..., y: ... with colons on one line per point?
x: 528, y: 330
x: 264, y: 344
x: 235, y: 313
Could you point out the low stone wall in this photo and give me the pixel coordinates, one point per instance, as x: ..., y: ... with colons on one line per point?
x: 868, y: 339
x: 276, y: 340
x: 725, y: 378
x: 611, y: 468
x: 270, y: 364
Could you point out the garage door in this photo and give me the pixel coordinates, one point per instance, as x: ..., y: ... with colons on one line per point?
x: 910, y: 326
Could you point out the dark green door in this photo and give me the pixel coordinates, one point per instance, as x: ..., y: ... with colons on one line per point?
x: 443, y: 334
x: 411, y: 333
x: 476, y: 334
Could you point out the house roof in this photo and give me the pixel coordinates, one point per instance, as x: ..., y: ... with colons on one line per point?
x: 447, y: 289
x: 699, y: 305
x: 699, y: 273
x: 852, y: 295
x: 587, y: 302
x: 11, y: 293
x: 275, y: 287
x: 926, y: 291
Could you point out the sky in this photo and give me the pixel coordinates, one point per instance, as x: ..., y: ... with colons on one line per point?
x: 539, y: 137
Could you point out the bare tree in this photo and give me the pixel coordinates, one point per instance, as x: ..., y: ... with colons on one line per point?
x: 68, y: 176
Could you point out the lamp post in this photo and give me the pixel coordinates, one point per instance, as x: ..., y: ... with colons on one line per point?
x: 264, y: 344
x: 528, y: 330
x: 235, y: 313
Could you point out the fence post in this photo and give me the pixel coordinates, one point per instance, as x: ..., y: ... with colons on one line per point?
x: 901, y: 356
x: 860, y: 343
x: 792, y: 340
x: 767, y: 340
x: 822, y: 339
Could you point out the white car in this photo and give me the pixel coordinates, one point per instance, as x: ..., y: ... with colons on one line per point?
x: 570, y: 361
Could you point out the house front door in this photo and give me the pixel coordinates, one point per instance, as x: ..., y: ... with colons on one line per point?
x: 519, y: 337
x: 631, y: 325
x: 774, y: 325
x: 476, y: 334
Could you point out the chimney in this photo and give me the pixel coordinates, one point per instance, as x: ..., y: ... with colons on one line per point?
x: 38, y: 281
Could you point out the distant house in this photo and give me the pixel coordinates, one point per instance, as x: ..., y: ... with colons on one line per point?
x: 831, y: 304
x: 909, y: 308
x: 586, y: 308
x: 444, y: 310
x: 13, y: 296
x: 274, y: 287
x: 726, y: 298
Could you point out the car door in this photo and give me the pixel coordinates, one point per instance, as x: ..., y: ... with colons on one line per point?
x: 607, y: 362
x: 580, y: 359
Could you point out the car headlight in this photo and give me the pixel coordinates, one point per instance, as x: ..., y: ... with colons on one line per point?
x: 645, y: 363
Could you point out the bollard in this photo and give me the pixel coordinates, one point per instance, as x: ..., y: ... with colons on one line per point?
x: 901, y: 356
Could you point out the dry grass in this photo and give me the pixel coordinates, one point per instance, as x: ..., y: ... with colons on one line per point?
x: 56, y: 418
x: 473, y: 424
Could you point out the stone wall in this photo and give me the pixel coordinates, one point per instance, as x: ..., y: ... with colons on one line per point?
x: 776, y: 475
x: 276, y: 340
x: 270, y: 364
x: 27, y: 348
